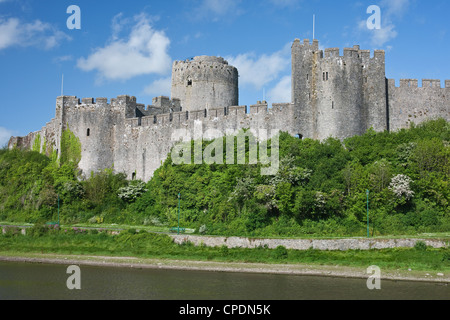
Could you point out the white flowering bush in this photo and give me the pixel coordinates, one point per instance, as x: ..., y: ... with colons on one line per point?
x: 401, y: 186
x: 132, y: 191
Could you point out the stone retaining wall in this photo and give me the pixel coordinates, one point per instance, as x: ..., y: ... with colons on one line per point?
x: 305, y: 244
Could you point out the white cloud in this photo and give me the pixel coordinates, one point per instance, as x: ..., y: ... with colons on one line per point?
x: 143, y: 52
x: 282, y: 91
x: 259, y: 71
x: 61, y: 59
x: 14, y: 32
x: 217, y: 9
x: 5, y: 135
x: 395, y: 7
x: 160, y: 87
x: 391, y: 11
x: 285, y: 3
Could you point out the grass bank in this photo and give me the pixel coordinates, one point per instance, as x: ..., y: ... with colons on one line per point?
x: 145, y: 245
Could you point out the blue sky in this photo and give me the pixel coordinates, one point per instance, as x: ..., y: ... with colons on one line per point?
x: 127, y: 47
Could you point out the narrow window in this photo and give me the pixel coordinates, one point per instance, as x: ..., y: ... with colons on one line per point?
x: 327, y: 76
x: 323, y: 76
x: 206, y: 113
x: 225, y: 111
x: 187, y: 115
x: 307, y: 77
x: 155, y: 119
x: 171, y: 117
x: 189, y: 83
x: 332, y: 105
x: 133, y: 176
x: 88, y: 132
x: 139, y: 121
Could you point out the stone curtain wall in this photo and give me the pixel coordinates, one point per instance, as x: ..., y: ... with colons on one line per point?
x: 332, y: 95
x: 305, y: 244
x: 410, y: 103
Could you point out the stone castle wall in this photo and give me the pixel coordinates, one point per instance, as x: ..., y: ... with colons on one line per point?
x: 332, y: 95
x: 338, y: 95
x: 410, y: 103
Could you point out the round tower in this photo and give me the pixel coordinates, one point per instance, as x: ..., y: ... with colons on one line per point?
x: 205, y: 83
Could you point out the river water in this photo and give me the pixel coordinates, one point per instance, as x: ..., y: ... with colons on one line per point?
x: 26, y: 281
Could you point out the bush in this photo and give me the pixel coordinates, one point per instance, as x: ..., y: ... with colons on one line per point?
x: 446, y: 256
x: 12, y: 231
x: 420, y: 246
x: 280, y: 253
x: 38, y: 230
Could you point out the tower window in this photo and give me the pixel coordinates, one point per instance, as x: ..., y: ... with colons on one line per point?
x: 88, y: 133
x: 206, y: 113
x: 327, y: 76
x: 189, y: 82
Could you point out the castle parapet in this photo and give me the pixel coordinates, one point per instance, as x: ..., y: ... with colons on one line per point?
x: 238, y: 110
x: 307, y: 44
x: 350, y: 53
x: 331, y: 52
x: 68, y: 101
x: 409, y: 83
x: 87, y: 101
x: 379, y: 54
x: 431, y: 83
x: 414, y: 83
x: 259, y: 107
x: 101, y: 102
x: 365, y: 54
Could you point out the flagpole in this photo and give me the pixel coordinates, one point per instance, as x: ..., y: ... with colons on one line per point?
x: 314, y: 26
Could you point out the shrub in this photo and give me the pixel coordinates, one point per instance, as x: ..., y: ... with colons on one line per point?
x: 280, y: 253
x: 224, y: 251
x: 421, y: 246
x: 446, y: 256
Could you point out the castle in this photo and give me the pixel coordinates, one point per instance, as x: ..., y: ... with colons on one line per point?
x: 333, y: 95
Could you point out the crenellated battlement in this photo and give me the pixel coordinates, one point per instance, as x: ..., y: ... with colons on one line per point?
x: 414, y: 83
x: 337, y: 93
x: 179, y: 119
x: 348, y: 53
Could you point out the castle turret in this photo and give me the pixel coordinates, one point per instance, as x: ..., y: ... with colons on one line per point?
x: 205, y: 83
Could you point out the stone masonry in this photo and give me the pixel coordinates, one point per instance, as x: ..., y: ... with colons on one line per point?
x: 333, y: 95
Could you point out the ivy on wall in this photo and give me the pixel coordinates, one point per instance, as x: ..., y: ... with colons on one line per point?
x: 70, y: 148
